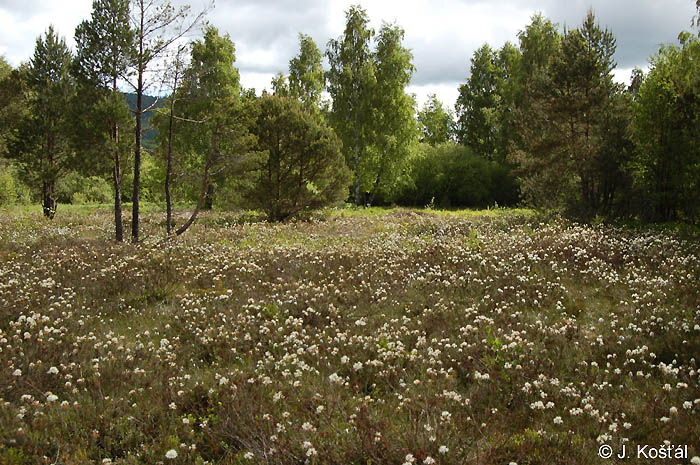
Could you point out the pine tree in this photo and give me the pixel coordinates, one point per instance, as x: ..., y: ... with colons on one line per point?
x: 44, y: 143
x: 104, y: 49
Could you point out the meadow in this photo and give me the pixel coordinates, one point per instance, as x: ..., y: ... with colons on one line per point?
x: 355, y: 337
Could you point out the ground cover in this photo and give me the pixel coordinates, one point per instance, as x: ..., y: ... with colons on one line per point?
x: 392, y: 337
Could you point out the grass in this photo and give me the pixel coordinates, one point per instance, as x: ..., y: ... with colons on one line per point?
x: 359, y: 336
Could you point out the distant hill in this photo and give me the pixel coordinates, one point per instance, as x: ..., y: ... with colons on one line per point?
x: 149, y: 133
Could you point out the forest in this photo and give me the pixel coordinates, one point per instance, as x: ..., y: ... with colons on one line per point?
x: 539, y: 122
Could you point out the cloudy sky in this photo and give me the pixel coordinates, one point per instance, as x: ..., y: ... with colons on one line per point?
x: 442, y: 34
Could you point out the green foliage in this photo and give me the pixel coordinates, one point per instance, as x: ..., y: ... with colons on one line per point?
x: 434, y: 123
x: 302, y: 168
x: 350, y: 82
x: 394, y: 126
x: 105, y: 44
x: 476, y: 104
x: 371, y: 113
x: 666, y: 126
x: 12, y: 190
x: 78, y: 189
x: 573, y: 120
x: 211, y: 140
x: 450, y: 175
x: 43, y: 143
x: 13, y: 103
x: 487, y: 100
x: 306, y: 77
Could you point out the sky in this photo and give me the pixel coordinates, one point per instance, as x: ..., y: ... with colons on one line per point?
x: 442, y: 34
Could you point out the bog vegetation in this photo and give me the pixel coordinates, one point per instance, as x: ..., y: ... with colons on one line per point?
x: 381, y: 337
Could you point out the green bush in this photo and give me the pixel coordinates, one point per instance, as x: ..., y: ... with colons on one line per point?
x: 8, y: 194
x: 75, y: 188
x: 451, y: 175
x: 12, y: 190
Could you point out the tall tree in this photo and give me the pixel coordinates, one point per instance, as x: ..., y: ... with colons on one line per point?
x: 44, y: 144
x: 104, y: 49
x: 487, y: 100
x: 393, y: 110
x: 477, y: 104
x: 156, y: 25
x: 541, y: 180
x: 565, y: 118
x: 584, y: 88
x: 306, y: 77
x: 351, y: 83
x: 12, y: 103
x: 215, y: 137
x: 174, y: 72
x: 667, y: 131
x: 435, y: 124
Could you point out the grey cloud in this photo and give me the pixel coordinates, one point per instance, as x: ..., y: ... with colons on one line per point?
x: 639, y: 26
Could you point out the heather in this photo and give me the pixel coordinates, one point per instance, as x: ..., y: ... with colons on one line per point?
x: 353, y: 337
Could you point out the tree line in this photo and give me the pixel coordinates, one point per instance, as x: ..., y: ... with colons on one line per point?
x: 541, y: 123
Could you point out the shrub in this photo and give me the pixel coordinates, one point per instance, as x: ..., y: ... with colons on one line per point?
x: 302, y: 167
x: 12, y: 190
x: 451, y: 175
x: 78, y: 189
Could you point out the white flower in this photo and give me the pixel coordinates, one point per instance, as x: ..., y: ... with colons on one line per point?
x: 52, y: 398
x: 357, y: 366
x: 223, y: 381
x: 429, y: 460
x: 308, y: 427
x: 17, y: 372
x: 673, y: 411
x: 248, y: 455
x: 171, y: 454
x: 409, y: 458
x: 695, y: 460
x: 558, y: 421
x: 334, y: 378
x: 443, y: 449
x: 311, y: 452
x: 53, y: 371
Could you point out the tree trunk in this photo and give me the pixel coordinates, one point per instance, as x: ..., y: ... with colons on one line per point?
x: 205, y: 186
x: 376, y: 185
x: 119, y: 234
x: 209, y: 198
x: 168, y: 170
x: 137, y: 151
x: 48, y: 200
x: 358, y: 201
x: 49, y: 185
